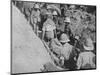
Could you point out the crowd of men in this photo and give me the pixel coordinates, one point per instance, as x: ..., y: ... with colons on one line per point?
x: 52, y: 24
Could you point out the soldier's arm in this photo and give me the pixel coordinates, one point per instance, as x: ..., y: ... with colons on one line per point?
x: 31, y: 18
x: 79, y: 62
x: 57, y: 42
x: 43, y: 33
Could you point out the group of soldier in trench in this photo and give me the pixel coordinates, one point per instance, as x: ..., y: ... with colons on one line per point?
x: 52, y: 26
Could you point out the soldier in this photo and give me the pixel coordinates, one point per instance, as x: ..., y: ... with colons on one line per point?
x: 52, y: 41
x: 27, y: 7
x: 35, y: 18
x: 67, y: 48
x: 56, y: 47
x: 48, y: 28
x: 55, y: 17
x: 61, y: 49
x: 66, y: 51
x: 86, y: 59
x: 72, y: 7
x: 67, y: 28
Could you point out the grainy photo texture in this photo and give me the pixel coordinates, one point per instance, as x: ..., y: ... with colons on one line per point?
x: 52, y: 37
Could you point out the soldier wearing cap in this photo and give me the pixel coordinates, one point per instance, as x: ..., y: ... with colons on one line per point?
x: 67, y: 22
x: 86, y: 59
x: 61, y: 49
x: 27, y: 7
x: 56, y: 47
x: 69, y: 53
x: 35, y: 18
x: 55, y: 18
x: 48, y: 28
x: 72, y: 9
x: 49, y: 9
x: 67, y: 48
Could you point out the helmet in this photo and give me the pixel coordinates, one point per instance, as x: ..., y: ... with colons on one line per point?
x: 36, y: 6
x: 64, y: 38
x: 72, y: 7
x: 89, y: 44
x: 67, y: 19
x: 55, y: 13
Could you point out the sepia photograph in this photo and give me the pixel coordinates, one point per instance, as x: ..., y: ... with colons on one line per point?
x: 52, y: 37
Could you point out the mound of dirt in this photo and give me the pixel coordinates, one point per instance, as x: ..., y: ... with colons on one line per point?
x: 28, y: 51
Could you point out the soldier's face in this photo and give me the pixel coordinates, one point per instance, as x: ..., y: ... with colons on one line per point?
x: 50, y: 34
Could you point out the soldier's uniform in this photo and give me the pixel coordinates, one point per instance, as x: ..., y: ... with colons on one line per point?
x: 48, y: 28
x: 86, y: 59
x: 35, y: 18
x: 62, y: 51
x: 67, y: 48
x: 56, y: 46
x: 27, y: 9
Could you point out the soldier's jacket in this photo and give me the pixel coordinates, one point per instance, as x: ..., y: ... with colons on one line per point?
x: 35, y: 16
x: 66, y: 51
x: 85, y: 60
x: 48, y: 28
x: 62, y: 50
x: 49, y: 25
x: 27, y: 8
x: 55, y: 46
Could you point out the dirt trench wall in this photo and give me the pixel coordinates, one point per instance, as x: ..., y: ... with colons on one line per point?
x: 28, y: 51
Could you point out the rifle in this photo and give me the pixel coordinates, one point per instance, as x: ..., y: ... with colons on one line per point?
x: 46, y: 46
